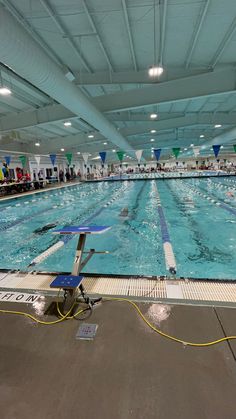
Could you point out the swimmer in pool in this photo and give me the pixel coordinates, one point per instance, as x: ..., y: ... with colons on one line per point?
x: 124, y: 212
x: 229, y: 194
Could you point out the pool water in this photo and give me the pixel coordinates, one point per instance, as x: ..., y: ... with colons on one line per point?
x: 200, y: 216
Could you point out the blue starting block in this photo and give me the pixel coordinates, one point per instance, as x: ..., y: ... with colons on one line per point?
x: 70, y: 283
x: 66, y: 281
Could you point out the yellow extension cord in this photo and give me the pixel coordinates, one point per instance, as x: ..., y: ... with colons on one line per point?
x: 66, y: 317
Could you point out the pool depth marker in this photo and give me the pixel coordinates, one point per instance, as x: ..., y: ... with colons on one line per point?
x: 167, y: 246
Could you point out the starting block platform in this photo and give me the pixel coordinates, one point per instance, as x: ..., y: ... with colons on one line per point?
x: 67, y: 281
x: 70, y: 283
x: 82, y: 230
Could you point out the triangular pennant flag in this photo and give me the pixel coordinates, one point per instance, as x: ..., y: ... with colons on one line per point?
x: 85, y: 157
x: 235, y: 148
x: 196, y: 151
x: 23, y: 160
x: 103, y: 154
x: 37, y: 158
x: 53, y: 159
x: 157, y: 153
x: 69, y: 158
x: 138, y: 154
x: 120, y: 155
x: 216, y: 149
x: 8, y: 160
x: 176, y: 151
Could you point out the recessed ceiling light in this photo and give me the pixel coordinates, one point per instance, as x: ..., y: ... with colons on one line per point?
x: 78, y: 152
x: 37, y: 144
x: 185, y: 149
x: 90, y: 136
x: 152, y: 139
x: 202, y: 136
x: 218, y: 126
x: 113, y: 151
x: 191, y: 145
x: 105, y: 143
x: 153, y: 116
x: 155, y: 71
x: 153, y: 131
x: 67, y: 124
x: 62, y: 149
x: 222, y: 146
x: 4, y: 91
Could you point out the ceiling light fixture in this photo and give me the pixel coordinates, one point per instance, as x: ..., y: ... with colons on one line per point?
x: 90, y: 136
x: 67, y: 124
x: 191, y: 145
x: 113, y: 151
x: 155, y: 71
x: 62, y: 149
x: 153, y: 116
x: 78, y: 152
x: 5, y: 91
x: 37, y: 144
x: 105, y: 143
x: 153, y: 131
x: 152, y: 139
x: 202, y: 136
x: 218, y: 126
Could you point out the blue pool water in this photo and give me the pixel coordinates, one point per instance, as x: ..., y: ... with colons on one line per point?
x: 199, y: 213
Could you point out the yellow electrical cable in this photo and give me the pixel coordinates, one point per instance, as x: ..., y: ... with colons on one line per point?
x: 214, y: 342
x: 66, y: 316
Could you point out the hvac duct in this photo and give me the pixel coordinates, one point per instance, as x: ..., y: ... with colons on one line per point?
x: 25, y: 57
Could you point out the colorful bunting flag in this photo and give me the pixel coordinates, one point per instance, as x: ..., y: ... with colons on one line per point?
x: 103, y: 154
x: 157, y: 153
x: 37, y: 158
x: 138, y: 154
x: 176, y: 151
x: 120, y: 155
x: 69, y: 158
x: 216, y: 149
x: 8, y: 160
x: 53, y: 159
x: 23, y: 160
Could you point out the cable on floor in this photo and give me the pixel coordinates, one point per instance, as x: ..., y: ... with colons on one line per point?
x: 67, y: 316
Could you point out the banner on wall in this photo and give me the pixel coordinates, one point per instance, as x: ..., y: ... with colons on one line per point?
x: 176, y: 151
x: 53, y: 159
x: 235, y: 148
x: 37, y: 158
x: 85, y: 157
x: 138, y: 154
x: 103, y: 154
x: 23, y: 160
x: 157, y: 153
x: 120, y: 155
x: 196, y: 151
x: 8, y: 160
x: 69, y: 158
x: 216, y: 149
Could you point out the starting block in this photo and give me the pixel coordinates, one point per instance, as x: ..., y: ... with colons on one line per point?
x: 70, y: 283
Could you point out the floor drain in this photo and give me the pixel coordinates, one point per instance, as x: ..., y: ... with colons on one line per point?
x: 86, y: 331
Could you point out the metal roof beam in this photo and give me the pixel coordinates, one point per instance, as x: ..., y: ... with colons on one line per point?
x: 224, y: 43
x: 217, y: 82
x: 91, y: 21
x: 196, y: 33
x: 131, y: 42
x: 57, y: 20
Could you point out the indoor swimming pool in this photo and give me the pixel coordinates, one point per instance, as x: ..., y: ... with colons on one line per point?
x: 197, y: 215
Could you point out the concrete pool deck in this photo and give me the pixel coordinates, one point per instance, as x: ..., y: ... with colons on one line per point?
x: 127, y: 371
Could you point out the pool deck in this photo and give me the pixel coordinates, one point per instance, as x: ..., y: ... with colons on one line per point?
x: 127, y: 371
